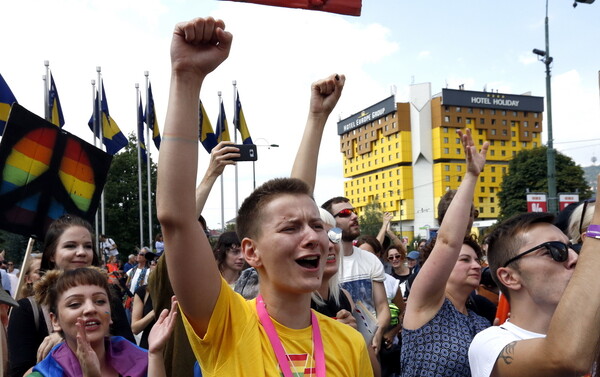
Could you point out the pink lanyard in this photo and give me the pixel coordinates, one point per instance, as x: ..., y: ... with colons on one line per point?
x: 284, y: 364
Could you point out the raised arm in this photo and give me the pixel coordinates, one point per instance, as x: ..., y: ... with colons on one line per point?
x: 220, y: 157
x: 570, y: 347
x: 428, y: 290
x: 324, y: 95
x: 197, y: 48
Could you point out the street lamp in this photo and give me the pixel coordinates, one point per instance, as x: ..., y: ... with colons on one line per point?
x: 544, y: 57
x: 269, y: 146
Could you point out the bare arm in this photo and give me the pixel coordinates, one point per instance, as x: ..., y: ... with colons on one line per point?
x: 324, y: 96
x: 220, y: 157
x: 385, y: 225
x: 428, y: 290
x: 197, y: 48
x: 157, y: 339
x: 383, y: 313
x: 571, y: 345
x: 139, y: 323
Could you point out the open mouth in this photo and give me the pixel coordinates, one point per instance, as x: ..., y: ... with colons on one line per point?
x: 311, y: 261
x: 91, y: 325
x: 331, y: 258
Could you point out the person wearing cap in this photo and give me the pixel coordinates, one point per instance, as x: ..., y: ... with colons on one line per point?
x: 413, y: 261
x: 554, y: 299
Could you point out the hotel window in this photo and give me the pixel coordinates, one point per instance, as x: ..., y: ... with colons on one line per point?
x: 447, y: 178
x: 482, y: 189
x: 458, y: 109
x: 514, y: 143
x: 445, y: 140
x: 445, y: 130
x: 458, y: 168
x: 503, y: 170
x: 470, y: 110
x: 537, y: 125
x: 457, y: 140
x: 526, y: 123
x: 513, y: 134
x: 459, y: 178
x: 526, y: 133
x: 535, y: 115
x: 482, y: 179
x: 493, y: 169
x: 446, y: 167
x: 503, y: 112
x: 446, y: 151
x: 458, y: 151
x: 491, y: 192
x: 504, y: 122
x: 492, y: 209
x: 481, y: 120
x: 524, y: 144
x: 504, y: 132
x: 525, y: 114
x: 502, y: 142
x: 514, y: 113
x: 446, y: 108
x: 480, y: 132
x: 493, y: 112
x: 458, y: 119
x: 493, y: 122
x: 469, y: 120
x: 481, y: 111
x: 492, y: 152
x: 493, y: 179
x: 493, y: 130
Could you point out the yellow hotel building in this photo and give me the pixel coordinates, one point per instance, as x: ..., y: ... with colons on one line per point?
x: 404, y: 156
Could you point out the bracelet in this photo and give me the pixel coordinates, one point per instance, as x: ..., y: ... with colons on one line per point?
x: 593, y: 231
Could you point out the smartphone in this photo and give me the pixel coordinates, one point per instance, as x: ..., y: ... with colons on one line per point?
x: 247, y: 152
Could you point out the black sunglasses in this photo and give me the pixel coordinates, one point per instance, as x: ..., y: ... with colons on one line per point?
x: 559, y: 251
x: 585, y: 204
x: 346, y: 212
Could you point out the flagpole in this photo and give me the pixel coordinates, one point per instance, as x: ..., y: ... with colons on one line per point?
x: 100, y: 87
x: 149, y: 161
x: 47, y: 114
x: 236, y: 124
x: 95, y: 129
x: 139, y: 158
x: 220, y: 133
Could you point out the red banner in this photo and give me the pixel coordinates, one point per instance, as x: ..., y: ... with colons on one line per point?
x: 348, y: 7
x: 565, y: 199
x: 537, y: 203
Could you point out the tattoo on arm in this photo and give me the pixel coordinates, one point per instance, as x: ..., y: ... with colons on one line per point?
x: 507, y: 353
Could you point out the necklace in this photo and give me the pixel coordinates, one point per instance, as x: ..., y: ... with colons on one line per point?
x: 283, y: 358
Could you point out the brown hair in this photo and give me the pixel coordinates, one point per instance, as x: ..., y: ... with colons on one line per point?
x: 55, y: 282
x: 225, y: 241
x: 328, y: 205
x: 249, y: 215
x: 56, y: 229
x: 505, y: 240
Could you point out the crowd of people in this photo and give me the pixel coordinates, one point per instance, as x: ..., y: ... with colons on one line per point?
x: 297, y: 289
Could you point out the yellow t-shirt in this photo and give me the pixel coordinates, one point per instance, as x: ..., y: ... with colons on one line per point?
x: 236, y: 344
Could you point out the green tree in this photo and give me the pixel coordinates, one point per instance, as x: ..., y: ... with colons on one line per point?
x: 371, y: 221
x: 121, y: 200
x: 528, y: 170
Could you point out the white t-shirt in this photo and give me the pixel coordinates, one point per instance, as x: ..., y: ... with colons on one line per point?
x: 133, y: 286
x: 487, y: 345
x: 109, y: 244
x: 359, y: 271
x: 391, y: 285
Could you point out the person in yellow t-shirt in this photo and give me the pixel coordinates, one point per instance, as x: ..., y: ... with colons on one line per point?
x: 282, y: 237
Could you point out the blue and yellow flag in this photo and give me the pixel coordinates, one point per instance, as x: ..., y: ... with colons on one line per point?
x: 222, y: 128
x: 112, y: 137
x: 141, y: 130
x: 240, y: 122
x: 151, y: 118
x: 56, y: 114
x: 6, y: 100
x: 205, y: 133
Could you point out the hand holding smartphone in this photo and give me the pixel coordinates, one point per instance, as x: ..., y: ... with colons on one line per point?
x: 247, y: 152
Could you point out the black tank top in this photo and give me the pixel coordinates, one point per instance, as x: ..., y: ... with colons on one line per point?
x: 330, y: 308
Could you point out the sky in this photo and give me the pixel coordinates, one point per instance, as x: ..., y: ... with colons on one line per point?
x: 278, y: 52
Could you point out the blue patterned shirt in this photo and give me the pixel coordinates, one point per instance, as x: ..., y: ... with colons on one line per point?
x: 440, y: 347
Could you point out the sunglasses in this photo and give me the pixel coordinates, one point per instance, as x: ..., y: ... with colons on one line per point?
x: 346, y: 212
x: 335, y: 235
x: 559, y: 251
x: 394, y: 257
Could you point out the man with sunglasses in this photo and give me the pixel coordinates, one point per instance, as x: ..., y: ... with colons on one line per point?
x: 362, y: 272
x: 553, y: 328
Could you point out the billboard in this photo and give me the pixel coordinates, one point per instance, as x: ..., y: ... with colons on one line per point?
x: 367, y: 115
x: 537, y: 202
x: 490, y: 100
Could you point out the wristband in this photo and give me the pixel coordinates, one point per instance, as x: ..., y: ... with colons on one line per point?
x: 593, y: 231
